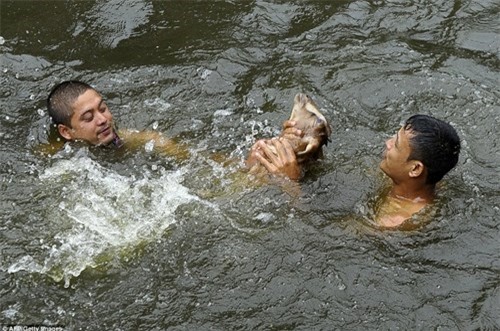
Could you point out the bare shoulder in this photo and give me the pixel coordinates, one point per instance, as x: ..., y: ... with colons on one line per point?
x: 140, y: 136
x: 391, y: 221
x: 393, y: 212
x: 160, y: 144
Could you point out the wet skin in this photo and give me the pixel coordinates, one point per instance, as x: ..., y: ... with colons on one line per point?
x: 300, y: 141
x: 409, y: 193
x: 395, y: 162
x: 91, y: 120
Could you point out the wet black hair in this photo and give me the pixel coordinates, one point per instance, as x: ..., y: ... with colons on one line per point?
x: 435, y: 143
x: 61, y: 99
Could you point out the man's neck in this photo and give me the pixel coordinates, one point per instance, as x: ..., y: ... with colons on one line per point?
x: 415, y: 192
x: 117, y: 142
x: 402, y: 202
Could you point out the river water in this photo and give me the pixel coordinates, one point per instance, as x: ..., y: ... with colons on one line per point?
x: 98, y: 240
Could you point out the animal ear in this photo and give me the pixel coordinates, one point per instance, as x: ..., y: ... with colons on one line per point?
x: 311, y: 147
x: 65, y: 131
x: 417, y: 169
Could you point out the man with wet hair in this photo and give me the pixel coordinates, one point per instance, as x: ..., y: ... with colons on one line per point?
x: 60, y: 100
x: 416, y: 158
x: 81, y: 114
x: 435, y: 143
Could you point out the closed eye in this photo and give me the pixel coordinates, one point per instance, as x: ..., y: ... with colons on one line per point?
x: 87, y: 116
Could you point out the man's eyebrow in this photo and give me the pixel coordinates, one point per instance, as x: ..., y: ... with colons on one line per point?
x: 100, y: 103
x: 90, y: 109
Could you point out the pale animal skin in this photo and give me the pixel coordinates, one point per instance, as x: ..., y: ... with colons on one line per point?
x: 313, y: 124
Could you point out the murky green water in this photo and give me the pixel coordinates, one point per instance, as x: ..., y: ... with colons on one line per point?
x: 94, y: 240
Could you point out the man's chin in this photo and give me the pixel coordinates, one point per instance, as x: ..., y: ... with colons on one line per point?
x: 107, y: 139
x: 382, y: 166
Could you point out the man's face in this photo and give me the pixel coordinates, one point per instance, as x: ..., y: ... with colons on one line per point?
x: 395, y: 162
x: 91, y: 120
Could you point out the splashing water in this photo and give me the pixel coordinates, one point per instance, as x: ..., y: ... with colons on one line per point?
x: 97, y: 213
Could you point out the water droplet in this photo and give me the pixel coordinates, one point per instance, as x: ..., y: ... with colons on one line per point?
x: 311, y: 37
x: 149, y: 146
x: 205, y: 73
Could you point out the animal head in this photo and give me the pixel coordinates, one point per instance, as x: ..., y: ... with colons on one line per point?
x: 313, y: 124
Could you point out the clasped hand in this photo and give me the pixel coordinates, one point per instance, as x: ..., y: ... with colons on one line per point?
x: 277, y: 154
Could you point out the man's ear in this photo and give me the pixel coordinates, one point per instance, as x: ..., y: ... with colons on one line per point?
x: 417, y: 169
x: 65, y: 131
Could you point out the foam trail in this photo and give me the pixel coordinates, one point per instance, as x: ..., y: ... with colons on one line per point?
x: 95, y: 213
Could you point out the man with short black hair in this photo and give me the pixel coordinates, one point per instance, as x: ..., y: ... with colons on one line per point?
x: 80, y: 113
x: 417, y: 157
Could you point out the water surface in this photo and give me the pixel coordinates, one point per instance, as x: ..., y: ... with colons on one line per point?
x: 97, y: 240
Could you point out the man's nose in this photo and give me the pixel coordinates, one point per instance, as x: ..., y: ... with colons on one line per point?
x: 101, y: 119
x: 389, y: 143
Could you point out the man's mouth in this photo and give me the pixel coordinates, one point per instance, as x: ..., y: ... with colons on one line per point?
x: 105, y: 131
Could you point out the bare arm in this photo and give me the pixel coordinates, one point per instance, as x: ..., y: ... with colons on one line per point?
x: 160, y: 143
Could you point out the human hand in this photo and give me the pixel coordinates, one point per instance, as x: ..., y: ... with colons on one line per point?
x: 252, y: 155
x: 289, y: 129
x: 281, y: 160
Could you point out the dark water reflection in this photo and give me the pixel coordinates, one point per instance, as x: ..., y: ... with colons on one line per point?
x: 138, y: 241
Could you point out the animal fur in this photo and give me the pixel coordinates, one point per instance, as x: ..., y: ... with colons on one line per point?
x: 315, y: 127
x: 313, y: 124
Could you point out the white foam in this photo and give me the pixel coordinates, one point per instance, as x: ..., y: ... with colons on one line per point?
x: 97, y: 213
x: 158, y: 104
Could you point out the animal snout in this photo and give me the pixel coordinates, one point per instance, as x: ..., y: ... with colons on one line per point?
x: 301, y: 98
